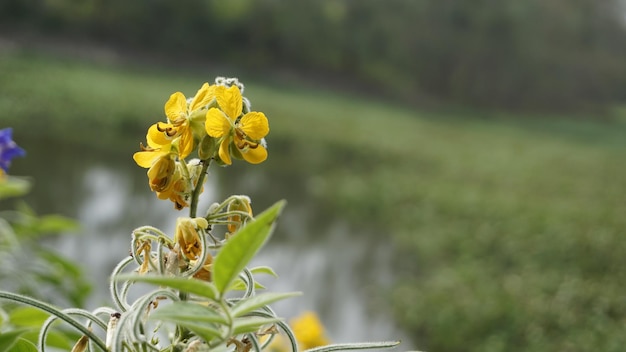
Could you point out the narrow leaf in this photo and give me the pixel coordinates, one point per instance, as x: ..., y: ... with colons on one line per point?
x: 264, y: 270
x: 240, y: 285
x: 201, y: 320
x: 8, y: 339
x: 251, y: 324
x: 354, y: 346
x: 205, y: 331
x: 249, y: 304
x: 180, y: 312
x: 242, y: 247
x: 192, y: 286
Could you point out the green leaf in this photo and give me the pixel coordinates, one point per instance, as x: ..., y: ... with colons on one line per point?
x: 65, y: 266
x: 240, y: 285
x: 355, y: 346
x: 24, y: 345
x: 14, y: 187
x: 8, y: 339
x: 264, y: 270
x: 27, y: 317
x: 189, y: 285
x: 251, y: 324
x: 181, y: 312
x: 242, y: 247
x: 203, y: 330
x: 201, y: 320
x: 56, y: 224
x: 249, y: 304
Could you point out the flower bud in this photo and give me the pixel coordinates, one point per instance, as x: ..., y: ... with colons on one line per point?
x: 208, y: 147
x: 236, y: 221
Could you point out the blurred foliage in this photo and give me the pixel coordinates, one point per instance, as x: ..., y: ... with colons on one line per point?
x: 534, y: 54
x: 20, y: 327
x: 26, y: 265
x: 507, y: 229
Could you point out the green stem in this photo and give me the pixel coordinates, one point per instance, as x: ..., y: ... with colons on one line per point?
x: 50, y: 309
x: 196, y: 191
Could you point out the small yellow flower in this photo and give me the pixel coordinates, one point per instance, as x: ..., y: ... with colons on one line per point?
x: 245, y: 133
x: 309, y: 331
x: 181, y: 115
x: 158, y: 144
x: 158, y: 159
x: 187, y: 236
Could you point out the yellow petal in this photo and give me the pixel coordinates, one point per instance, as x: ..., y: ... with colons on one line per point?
x: 176, y: 107
x: 216, y: 124
x: 201, y: 98
x: 254, y: 125
x: 156, y: 138
x: 230, y: 101
x: 147, y: 158
x: 185, y: 143
x: 255, y: 155
x: 224, y: 153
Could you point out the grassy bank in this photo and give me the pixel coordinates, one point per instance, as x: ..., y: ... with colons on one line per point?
x: 508, y: 232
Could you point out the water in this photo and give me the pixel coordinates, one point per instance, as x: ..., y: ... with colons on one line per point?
x: 343, y: 270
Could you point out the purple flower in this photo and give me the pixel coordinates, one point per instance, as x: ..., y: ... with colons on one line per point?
x: 8, y: 149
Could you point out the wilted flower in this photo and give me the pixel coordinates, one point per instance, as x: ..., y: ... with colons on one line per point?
x: 187, y: 236
x: 205, y: 271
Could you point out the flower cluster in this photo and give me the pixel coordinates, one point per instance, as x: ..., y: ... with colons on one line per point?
x: 8, y: 150
x: 216, y: 123
x: 211, y: 292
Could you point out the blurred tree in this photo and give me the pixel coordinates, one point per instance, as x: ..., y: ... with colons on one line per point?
x: 533, y: 54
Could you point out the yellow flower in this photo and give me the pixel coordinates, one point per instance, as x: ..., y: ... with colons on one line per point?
x: 309, y: 331
x: 181, y: 115
x: 187, y: 236
x: 245, y: 133
x: 158, y: 159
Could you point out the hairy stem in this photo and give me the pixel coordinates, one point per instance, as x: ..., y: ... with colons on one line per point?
x: 193, y: 207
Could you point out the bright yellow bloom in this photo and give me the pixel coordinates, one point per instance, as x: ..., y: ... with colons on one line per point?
x: 245, y: 133
x: 158, y: 159
x: 309, y: 331
x: 181, y: 115
x: 187, y: 236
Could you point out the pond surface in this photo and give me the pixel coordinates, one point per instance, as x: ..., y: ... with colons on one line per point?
x: 344, y: 271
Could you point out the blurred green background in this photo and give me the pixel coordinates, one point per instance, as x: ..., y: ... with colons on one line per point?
x: 483, y: 142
